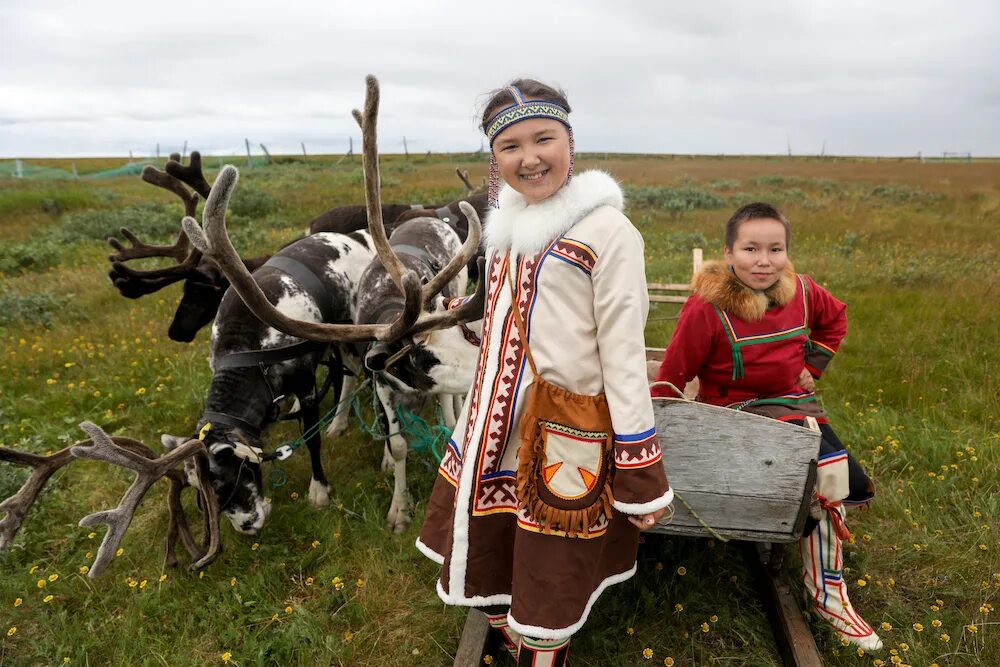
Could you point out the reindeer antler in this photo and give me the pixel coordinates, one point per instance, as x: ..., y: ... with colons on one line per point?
x: 148, y: 467
x: 190, y: 175
x: 464, y: 177
x: 134, y: 283
x: 16, y: 507
x: 466, y: 253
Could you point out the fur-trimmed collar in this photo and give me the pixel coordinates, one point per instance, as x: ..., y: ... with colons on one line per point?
x: 527, y: 229
x: 719, y: 286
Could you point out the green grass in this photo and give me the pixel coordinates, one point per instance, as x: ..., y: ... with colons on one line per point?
x: 914, y: 393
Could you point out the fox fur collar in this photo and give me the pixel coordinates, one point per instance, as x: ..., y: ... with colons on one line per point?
x: 719, y: 286
x: 527, y: 229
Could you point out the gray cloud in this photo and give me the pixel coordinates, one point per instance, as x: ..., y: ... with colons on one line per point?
x: 717, y: 77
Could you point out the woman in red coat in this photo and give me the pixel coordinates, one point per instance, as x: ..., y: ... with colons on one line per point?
x: 757, y: 335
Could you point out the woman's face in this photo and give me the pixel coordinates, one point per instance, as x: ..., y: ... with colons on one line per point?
x: 533, y: 157
x: 759, y: 254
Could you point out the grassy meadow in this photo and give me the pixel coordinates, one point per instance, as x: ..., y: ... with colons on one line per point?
x: 911, y: 247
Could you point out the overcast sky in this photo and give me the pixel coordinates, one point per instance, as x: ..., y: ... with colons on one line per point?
x: 867, y: 78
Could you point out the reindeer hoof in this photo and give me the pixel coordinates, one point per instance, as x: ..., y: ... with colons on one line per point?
x: 336, y: 429
x: 319, y: 494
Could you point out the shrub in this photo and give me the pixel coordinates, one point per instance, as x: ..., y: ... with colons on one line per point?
x: 34, y: 256
x: 150, y: 220
x: 34, y: 308
x: 673, y: 199
x: 251, y: 202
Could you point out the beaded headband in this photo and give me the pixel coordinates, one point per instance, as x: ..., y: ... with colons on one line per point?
x: 523, y: 109
x: 520, y: 110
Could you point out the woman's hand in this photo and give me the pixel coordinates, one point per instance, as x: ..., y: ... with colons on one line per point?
x: 647, y: 521
x: 807, y: 381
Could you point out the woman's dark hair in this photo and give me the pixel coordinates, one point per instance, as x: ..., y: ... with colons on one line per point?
x: 755, y: 211
x: 530, y: 88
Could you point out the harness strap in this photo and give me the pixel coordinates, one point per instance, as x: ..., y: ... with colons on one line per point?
x: 518, y: 320
x: 230, y: 420
x: 308, y: 280
x: 268, y: 357
x: 415, y: 251
x: 446, y: 215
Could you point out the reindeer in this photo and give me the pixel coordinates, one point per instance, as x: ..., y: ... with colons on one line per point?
x: 385, y: 304
x: 204, y: 283
x: 148, y: 467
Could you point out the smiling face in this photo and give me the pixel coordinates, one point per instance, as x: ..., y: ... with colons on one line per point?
x: 533, y: 157
x: 760, y: 252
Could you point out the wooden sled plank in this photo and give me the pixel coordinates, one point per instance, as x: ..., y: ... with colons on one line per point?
x: 791, y: 632
x: 475, y: 637
x: 718, y: 459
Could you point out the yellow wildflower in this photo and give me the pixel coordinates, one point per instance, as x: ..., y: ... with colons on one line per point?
x: 678, y: 607
x: 18, y: 602
x: 682, y: 570
x: 53, y: 577
x: 936, y: 623
x: 309, y: 581
x: 361, y: 583
x: 11, y: 631
x: 972, y: 628
x: 862, y: 583
x: 42, y: 583
x: 34, y: 568
x: 47, y: 599
x: 254, y: 546
x: 886, y: 625
x: 704, y: 627
x: 226, y: 657
x: 668, y: 661
x: 142, y: 584
x: 945, y: 637
x: 903, y: 646
x: 315, y: 544
x: 918, y: 627
x: 295, y: 495
x: 232, y: 582
x: 487, y: 659
x: 647, y: 653
x: 348, y: 636
x: 163, y: 577
x: 84, y: 569
x: 630, y: 631
x: 119, y: 553
x: 288, y: 610
x: 861, y: 652
x: 713, y: 618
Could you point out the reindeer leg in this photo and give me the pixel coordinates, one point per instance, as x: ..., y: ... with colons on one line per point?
x: 447, y: 409
x: 339, y: 424
x: 319, y: 488
x: 399, y: 510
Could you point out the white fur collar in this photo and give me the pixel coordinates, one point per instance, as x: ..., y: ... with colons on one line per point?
x: 527, y: 229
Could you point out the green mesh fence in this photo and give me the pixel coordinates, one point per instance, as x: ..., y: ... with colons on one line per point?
x: 22, y: 169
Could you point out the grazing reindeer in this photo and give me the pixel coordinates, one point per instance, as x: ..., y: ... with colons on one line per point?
x: 148, y: 466
x: 386, y: 289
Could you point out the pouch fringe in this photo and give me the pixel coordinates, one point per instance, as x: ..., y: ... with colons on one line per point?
x: 531, y: 464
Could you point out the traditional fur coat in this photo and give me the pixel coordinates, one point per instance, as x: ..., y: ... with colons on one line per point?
x: 748, y: 347
x: 579, y: 275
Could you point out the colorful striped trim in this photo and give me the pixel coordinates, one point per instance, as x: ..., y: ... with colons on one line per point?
x: 632, y: 438
x: 820, y: 347
x: 832, y: 458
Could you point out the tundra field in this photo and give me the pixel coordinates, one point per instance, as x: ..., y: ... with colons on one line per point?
x: 912, y: 248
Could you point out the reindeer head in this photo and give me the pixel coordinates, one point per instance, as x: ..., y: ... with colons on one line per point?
x: 234, y: 466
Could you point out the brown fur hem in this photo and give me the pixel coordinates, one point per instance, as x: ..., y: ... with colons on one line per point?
x: 719, y: 286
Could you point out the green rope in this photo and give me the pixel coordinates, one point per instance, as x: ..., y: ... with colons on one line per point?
x: 711, y: 531
x: 420, y: 435
x: 424, y: 436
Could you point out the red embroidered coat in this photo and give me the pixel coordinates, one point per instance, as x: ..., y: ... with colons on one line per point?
x: 748, y: 348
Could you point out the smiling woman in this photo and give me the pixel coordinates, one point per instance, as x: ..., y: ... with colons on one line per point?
x: 554, y: 465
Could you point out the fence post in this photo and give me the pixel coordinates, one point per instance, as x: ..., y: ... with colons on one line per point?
x: 184, y: 151
x: 18, y: 168
x: 249, y: 160
x: 267, y: 156
x: 304, y: 149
